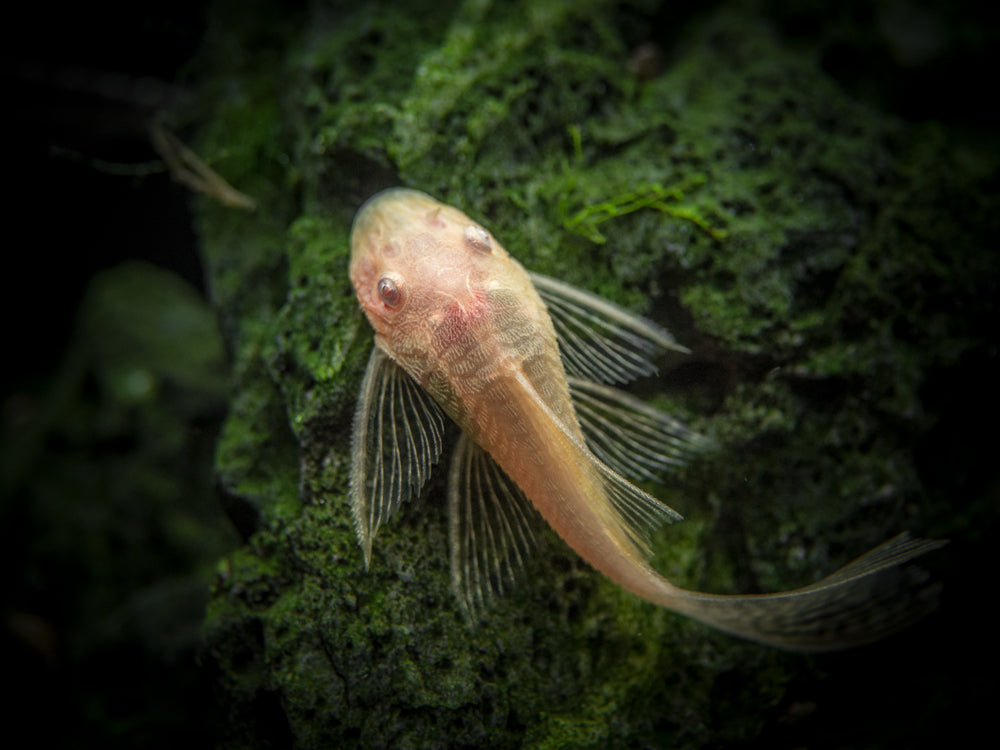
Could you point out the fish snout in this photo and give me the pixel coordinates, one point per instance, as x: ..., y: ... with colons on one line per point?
x: 389, y: 210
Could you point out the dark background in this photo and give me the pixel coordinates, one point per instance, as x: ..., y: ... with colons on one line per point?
x: 85, y: 191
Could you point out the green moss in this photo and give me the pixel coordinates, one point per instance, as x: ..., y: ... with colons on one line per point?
x: 788, y: 235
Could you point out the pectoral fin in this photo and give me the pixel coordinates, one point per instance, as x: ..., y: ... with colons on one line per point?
x: 490, y: 526
x: 396, y: 440
x: 597, y: 339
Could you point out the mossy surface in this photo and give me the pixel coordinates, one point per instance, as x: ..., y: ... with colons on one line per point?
x: 822, y: 260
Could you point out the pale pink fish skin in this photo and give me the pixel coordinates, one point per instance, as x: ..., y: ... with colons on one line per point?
x: 470, y: 327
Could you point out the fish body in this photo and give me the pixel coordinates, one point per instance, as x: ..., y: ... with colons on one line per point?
x: 470, y: 328
x: 517, y: 361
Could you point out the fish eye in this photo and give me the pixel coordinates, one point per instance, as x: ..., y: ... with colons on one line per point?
x: 477, y: 237
x: 389, y: 292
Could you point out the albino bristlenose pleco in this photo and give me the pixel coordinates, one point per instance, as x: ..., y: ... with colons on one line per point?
x: 522, y: 364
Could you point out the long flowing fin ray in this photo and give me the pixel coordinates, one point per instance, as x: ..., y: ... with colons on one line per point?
x: 594, y: 356
x: 491, y: 527
x: 872, y: 597
x: 635, y: 511
x: 397, y: 438
x: 630, y: 436
x: 892, y: 553
x: 598, y: 340
x: 638, y: 513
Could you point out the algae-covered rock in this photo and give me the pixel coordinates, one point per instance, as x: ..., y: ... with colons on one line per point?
x: 823, y: 260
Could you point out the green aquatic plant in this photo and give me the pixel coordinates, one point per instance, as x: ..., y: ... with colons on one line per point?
x: 653, y: 195
x: 667, y: 199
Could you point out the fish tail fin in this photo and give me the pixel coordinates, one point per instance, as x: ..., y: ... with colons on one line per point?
x: 869, y: 598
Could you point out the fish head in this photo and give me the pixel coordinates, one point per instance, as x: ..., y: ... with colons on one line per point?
x: 417, y: 264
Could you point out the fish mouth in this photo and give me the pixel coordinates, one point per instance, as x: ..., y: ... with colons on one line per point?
x: 384, y: 216
x: 393, y: 213
x: 390, y: 194
x: 372, y: 223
